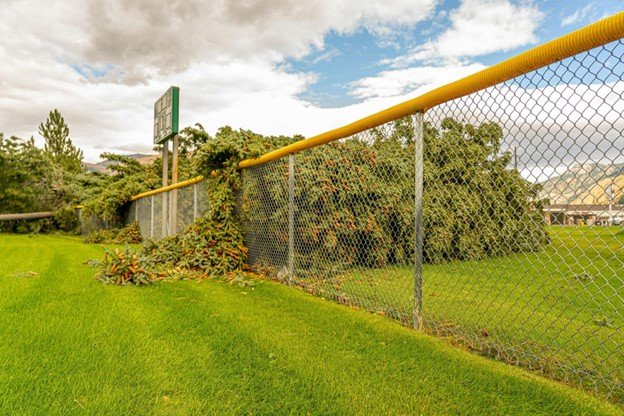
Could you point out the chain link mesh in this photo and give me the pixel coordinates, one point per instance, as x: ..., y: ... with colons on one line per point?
x: 557, y: 306
x: 156, y: 222
x: 522, y: 214
x: 91, y: 223
x: 352, y: 220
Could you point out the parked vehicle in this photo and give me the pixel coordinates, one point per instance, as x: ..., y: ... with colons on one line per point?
x: 610, y: 220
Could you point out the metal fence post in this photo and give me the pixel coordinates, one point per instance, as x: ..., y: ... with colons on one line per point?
x: 152, y: 217
x: 194, y: 201
x: 169, y: 217
x: 418, y: 207
x: 291, y: 217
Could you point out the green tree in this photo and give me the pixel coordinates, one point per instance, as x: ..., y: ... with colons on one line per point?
x: 354, y: 200
x: 106, y: 196
x: 26, y: 179
x: 58, y: 146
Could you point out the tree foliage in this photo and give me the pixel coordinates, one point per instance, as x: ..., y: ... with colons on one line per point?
x: 354, y: 200
x: 26, y: 176
x: 111, y: 194
x: 474, y: 205
x: 213, y: 245
x: 49, y: 179
x: 58, y: 146
x: 28, y: 183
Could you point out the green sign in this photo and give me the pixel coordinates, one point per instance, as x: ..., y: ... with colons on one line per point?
x: 166, y: 115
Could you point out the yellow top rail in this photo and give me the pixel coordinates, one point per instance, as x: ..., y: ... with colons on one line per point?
x: 168, y: 188
x: 589, y: 37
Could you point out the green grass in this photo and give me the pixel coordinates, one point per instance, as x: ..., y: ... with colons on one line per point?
x: 559, y: 310
x: 70, y: 345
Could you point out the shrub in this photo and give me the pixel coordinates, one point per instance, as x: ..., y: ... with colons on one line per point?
x: 130, y: 234
x: 121, y: 267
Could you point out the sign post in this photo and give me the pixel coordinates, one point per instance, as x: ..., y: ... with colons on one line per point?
x: 166, y: 121
x: 174, y: 192
x: 165, y: 178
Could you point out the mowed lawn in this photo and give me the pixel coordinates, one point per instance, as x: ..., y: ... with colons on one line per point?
x: 70, y: 345
x: 559, y: 310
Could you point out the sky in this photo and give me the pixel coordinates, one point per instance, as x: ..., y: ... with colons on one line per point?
x: 272, y: 66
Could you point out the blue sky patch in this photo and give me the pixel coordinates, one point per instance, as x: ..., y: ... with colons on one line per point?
x: 346, y: 59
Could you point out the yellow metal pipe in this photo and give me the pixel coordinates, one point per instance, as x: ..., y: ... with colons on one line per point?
x: 589, y: 37
x: 168, y: 188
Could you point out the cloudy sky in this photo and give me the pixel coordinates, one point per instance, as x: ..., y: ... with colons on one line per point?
x: 273, y: 66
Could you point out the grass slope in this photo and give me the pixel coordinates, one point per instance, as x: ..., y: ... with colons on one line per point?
x: 70, y: 345
x: 558, y: 310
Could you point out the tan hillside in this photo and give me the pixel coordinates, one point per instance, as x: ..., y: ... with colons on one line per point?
x: 102, y: 167
x: 586, y: 184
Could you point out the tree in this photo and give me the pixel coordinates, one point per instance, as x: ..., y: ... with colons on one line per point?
x: 58, y: 146
x: 26, y: 177
x: 106, y: 196
x: 354, y: 200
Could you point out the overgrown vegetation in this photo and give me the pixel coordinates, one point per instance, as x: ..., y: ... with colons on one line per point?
x: 354, y: 200
x: 127, y: 178
x: 213, y: 245
x: 130, y: 234
x: 49, y: 179
x: 26, y: 176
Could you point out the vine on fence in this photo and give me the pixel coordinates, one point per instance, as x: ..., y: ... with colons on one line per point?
x: 213, y: 245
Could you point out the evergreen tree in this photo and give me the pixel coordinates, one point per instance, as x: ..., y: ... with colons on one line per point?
x: 58, y: 146
x: 25, y: 177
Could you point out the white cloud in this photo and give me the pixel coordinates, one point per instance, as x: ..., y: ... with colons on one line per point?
x: 326, y: 56
x: 552, y: 127
x: 478, y: 27
x: 397, y: 82
x: 166, y: 36
x: 578, y: 16
x: 225, y: 55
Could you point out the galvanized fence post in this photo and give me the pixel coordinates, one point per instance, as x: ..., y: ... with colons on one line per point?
x: 152, y: 217
x: 194, y: 201
x: 164, y: 215
x: 291, y: 217
x: 170, y: 216
x: 418, y: 231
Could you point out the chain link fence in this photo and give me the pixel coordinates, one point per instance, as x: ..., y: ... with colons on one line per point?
x: 168, y: 212
x: 493, y: 220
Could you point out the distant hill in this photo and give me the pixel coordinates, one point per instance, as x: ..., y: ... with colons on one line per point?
x: 587, y: 183
x: 102, y: 166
